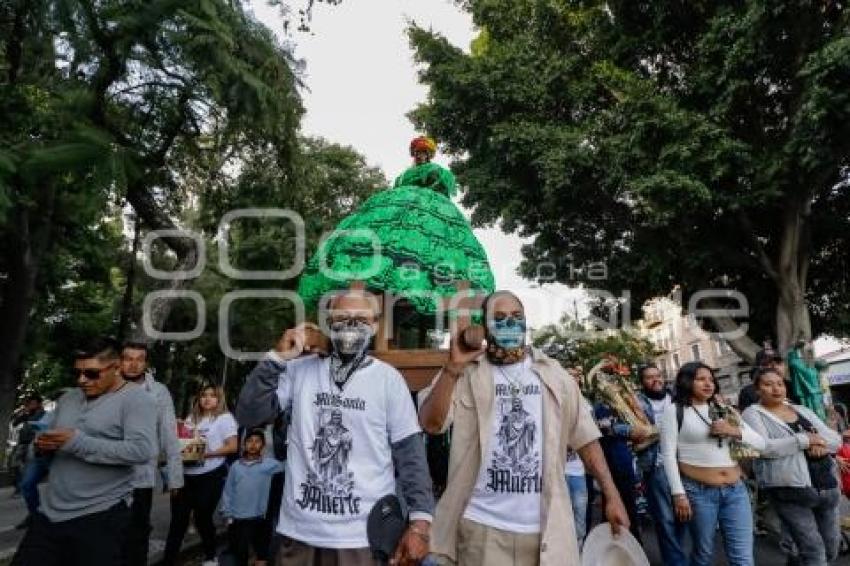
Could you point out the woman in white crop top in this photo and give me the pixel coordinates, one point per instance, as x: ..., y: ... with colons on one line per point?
x: 704, y: 480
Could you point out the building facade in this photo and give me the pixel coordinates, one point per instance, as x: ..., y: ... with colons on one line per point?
x: 681, y: 340
x: 838, y: 374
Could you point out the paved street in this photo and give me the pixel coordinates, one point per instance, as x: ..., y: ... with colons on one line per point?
x: 12, y: 511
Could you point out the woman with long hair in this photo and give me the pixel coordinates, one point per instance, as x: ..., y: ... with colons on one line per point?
x: 796, y: 470
x: 705, y: 481
x: 205, y: 482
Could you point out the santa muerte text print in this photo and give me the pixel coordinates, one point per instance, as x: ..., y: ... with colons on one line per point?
x: 509, y: 487
x: 515, y: 465
x: 329, y: 486
x: 339, y: 456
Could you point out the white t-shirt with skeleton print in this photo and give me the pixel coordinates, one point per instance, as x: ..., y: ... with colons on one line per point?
x: 339, y: 460
x: 510, y: 481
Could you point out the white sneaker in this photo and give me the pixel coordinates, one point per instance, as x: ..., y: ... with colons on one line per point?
x: 212, y: 562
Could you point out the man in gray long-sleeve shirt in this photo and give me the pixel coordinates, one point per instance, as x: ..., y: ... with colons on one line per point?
x: 352, y: 424
x: 99, y: 432
x: 134, y: 365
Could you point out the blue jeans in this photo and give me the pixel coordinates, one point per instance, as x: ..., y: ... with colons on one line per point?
x: 728, y: 507
x: 578, y: 497
x: 670, y: 532
x: 35, y: 470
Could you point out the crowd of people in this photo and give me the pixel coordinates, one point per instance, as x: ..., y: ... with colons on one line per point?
x: 713, y: 463
x: 320, y: 436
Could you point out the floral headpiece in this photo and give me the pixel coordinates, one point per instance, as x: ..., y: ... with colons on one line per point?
x: 423, y: 143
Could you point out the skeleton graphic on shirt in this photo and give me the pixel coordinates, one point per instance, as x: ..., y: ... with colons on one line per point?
x: 516, y: 434
x: 331, y: 450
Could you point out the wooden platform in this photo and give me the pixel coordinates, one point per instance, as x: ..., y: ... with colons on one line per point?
x: 417, y: 366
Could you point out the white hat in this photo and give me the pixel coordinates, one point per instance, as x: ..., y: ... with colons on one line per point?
x: 602, y: 549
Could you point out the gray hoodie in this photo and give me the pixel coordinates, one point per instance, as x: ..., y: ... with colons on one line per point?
x: 783, y: 461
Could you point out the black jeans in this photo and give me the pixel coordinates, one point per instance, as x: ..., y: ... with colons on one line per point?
x: 199, y: 497
x: 242, y: 534
x: 812, y: 520
x: 90, y: 540
x: 273, y: 510
x: 625, y: 483
x: 136, y: 549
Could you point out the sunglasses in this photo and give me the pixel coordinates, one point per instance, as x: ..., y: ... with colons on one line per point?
x: 347, y: 320
x: 91, y: 374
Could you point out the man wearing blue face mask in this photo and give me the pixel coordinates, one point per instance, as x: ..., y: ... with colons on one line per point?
x: 515, y: 412
x: 353, y: 437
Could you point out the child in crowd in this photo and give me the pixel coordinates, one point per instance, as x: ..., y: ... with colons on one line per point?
x: 245, y: 498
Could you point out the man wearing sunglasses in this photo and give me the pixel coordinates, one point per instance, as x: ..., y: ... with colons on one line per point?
x: 99, y: 432
x: 515, y: 413
x: 353, y: 438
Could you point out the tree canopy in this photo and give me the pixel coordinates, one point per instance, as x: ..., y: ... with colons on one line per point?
x: 702, y: 144
x: 170, y: 112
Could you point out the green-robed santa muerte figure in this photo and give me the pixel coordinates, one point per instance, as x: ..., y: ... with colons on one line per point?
x: 805, y: 378
x: 426, y: 244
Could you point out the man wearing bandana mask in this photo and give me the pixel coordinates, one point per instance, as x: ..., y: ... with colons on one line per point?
x: 353, y: 437
x: 506, y: 502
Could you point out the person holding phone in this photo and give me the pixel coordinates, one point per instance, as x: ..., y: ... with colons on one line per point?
x: 515, y: 413
x: 98, y: 433
x: 353, y: 438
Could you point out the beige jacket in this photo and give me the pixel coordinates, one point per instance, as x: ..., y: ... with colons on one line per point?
x: 565, y: 424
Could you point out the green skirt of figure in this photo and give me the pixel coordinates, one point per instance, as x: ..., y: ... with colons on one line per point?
x: 409, y: 240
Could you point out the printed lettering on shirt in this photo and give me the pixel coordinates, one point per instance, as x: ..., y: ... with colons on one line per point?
x: 515, y: 465
x: 329, y: 486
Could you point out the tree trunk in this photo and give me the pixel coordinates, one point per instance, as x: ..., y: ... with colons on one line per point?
x: 742, y: 345
x: 161, y: 309
x: 24, y: 252
x: 792, y: 311
x: 125, y: 324
x: 792, y: 316
x: 18, y: 293
x: 155, y: 218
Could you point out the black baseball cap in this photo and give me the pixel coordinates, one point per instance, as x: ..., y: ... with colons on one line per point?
x: 384, y: 527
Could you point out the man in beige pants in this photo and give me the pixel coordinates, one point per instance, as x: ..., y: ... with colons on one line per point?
x: 515, y: 412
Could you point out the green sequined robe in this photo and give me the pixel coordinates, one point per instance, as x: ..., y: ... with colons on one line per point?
x: 425, y: 244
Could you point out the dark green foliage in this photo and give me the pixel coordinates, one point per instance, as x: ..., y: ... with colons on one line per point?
x: 694, y: 143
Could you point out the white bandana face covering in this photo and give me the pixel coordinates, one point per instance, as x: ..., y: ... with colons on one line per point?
x: 350, y: 341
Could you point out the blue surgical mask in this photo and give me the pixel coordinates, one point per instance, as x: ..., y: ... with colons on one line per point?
x: 508, y: 332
